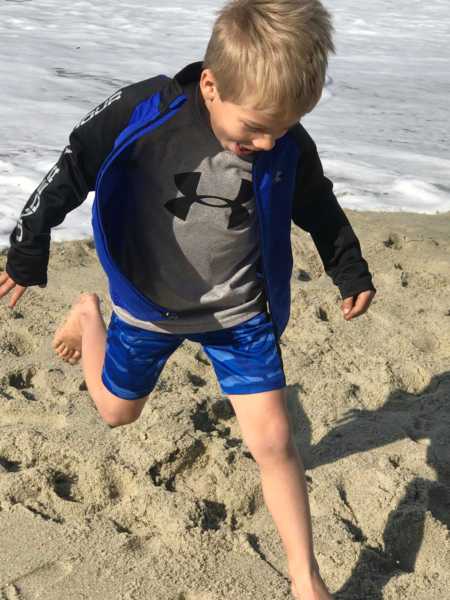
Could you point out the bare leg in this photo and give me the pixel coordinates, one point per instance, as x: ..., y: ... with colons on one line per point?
x: 286, y: 496
x: 265, y: 427
x: 84, y: 335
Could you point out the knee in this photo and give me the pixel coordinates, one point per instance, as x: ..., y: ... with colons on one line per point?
x: 272, y: 444
x: 118, y: 412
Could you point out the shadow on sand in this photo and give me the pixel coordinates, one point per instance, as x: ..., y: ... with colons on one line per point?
x: 422, y: 416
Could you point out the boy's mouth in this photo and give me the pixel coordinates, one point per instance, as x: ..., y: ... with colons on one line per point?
x: 242, y: 149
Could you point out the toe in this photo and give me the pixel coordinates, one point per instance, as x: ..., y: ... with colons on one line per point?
x: 56, y: 343
x: 60, y: 349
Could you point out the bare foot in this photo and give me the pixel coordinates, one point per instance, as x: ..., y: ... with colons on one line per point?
x: 311, y: 587
x: 67, y: 339
x: 315, y: 590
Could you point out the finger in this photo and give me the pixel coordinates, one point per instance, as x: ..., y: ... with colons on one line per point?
x: 6, y: 287
x: 364, y: 300
x: 16, y: 295
x: 361, y: 305
x: 347, y: 305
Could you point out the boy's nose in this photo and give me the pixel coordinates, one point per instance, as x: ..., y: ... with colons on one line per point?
x: 265, y: 142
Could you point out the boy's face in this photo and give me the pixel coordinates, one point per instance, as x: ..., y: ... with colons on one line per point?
x: 241, y: 130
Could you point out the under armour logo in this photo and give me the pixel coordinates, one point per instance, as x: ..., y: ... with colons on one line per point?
x: 187, y: 183
x: 278, y: 177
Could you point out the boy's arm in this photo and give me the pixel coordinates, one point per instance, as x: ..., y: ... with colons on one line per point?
x: 317, y: 211
x: 68, y: 183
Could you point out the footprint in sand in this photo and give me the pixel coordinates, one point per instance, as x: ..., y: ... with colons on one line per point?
x: 21, y: 380
x: 65, y: 485
x: 17, y: 413
x: 15, y: 343
x: 9, y: 466
x: 17, y: 386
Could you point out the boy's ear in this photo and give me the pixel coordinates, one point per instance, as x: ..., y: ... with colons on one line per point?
x: 208, y: 85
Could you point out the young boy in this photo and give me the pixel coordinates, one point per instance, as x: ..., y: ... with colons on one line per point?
x: 197, y: 180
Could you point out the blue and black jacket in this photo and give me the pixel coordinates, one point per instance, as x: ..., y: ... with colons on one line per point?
x: 289, y: 185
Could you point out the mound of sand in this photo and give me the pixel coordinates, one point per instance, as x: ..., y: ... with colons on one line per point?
x: 170, y: 508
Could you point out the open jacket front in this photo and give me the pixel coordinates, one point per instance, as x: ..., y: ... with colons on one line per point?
x: 288, y: 183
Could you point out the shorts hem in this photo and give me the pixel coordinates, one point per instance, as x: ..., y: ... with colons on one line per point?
x: 122, y: 393
x: 254, y: 389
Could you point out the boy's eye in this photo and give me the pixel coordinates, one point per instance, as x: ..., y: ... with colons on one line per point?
x: 250, y: 128
x: 253, y: 128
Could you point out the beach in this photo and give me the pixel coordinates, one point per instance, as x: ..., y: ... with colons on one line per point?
x: 171, y: 508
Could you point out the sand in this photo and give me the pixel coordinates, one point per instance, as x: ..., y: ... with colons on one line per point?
x: 171, y: 508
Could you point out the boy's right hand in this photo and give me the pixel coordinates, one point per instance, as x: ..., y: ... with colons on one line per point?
x: 6, y: 285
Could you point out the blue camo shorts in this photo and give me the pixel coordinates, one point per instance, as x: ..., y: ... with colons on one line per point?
x: 246, y: 358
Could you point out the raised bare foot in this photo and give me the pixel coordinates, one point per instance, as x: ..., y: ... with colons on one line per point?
x: 67, y: 339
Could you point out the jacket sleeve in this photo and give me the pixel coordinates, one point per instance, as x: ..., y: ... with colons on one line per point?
x: 317, y: 211
x: 68, y: 183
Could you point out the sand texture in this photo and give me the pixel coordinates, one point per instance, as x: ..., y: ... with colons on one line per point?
x: 171, y: 508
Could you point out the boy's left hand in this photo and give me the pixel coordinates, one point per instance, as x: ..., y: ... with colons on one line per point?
x: 356, y: 305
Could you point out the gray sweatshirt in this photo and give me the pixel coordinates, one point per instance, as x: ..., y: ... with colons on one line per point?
x: 199, y: 247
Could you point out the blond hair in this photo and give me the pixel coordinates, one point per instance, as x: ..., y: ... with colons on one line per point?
x: 271, y: 54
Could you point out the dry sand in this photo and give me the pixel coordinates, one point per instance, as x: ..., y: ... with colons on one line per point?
x: 170, y: 508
